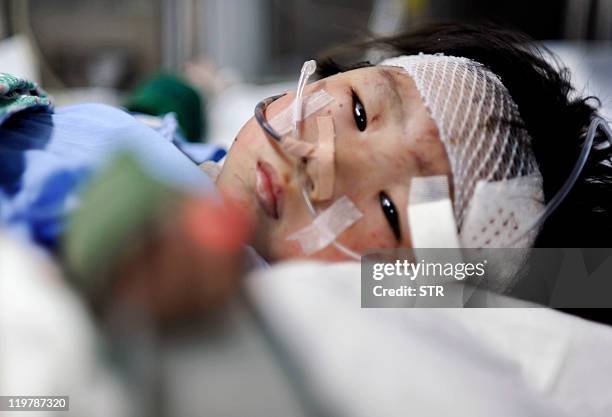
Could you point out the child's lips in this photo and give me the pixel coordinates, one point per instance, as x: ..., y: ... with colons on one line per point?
x: 268, y: 189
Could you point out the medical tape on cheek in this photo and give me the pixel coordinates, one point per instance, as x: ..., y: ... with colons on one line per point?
x: 430, y: 213
x: 327, y: 226
x: 282, y: 123
x: 321, y: 167
x: 432, y: 226
x: 297, y: 148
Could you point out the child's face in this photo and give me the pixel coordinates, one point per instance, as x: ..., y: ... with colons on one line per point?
x: 398, y: 141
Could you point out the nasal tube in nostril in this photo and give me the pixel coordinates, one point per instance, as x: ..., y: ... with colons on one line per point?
x: 308, y: 69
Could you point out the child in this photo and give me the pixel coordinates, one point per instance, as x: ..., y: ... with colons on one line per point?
x: 328, y: 171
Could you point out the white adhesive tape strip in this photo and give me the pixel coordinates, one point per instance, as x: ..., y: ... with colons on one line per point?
x: 297, y: 148
x: 432, y: 225
x: 282, y: 123
x: 327, y: 226
x: 430, y: 213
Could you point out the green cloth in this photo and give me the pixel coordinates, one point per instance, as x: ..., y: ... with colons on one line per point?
x: 17, y: 94
x: 117, y: 207
x: 166, y: 93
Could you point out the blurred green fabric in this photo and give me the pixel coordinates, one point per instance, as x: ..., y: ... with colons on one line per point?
x: 17, y: 94
x: 166, y: 93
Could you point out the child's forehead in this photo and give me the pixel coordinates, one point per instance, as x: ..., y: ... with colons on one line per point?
x: 392, y: 83
x: 372, y: 73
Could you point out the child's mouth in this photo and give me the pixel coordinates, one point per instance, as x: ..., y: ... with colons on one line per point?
x: 267, y: 189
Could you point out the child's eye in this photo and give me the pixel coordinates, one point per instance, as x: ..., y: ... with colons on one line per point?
x: 391, y: 214
x: 359, y: 113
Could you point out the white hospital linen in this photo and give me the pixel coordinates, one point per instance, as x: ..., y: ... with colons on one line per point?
x: 431, y: 362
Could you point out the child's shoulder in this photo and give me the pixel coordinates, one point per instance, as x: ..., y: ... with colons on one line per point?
x: 97, y: 112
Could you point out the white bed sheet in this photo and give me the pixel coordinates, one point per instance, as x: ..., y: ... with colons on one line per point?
x: 431, y: 362
x: 48, y: 344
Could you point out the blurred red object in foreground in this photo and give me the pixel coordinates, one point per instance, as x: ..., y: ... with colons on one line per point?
x: 219, y: 225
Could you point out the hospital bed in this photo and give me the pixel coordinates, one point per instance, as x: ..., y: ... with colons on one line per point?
x: 295, y: 341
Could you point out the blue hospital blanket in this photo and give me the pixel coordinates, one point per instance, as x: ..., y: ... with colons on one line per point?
x: 45, y: 157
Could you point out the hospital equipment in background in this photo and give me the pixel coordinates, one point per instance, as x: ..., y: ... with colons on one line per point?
x: 114, y: 43
x: 588, y: 19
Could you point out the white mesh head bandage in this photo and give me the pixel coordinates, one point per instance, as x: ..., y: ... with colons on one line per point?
x: 486, y: 143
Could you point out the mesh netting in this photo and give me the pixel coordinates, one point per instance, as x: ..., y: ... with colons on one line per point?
x: 479, y: 123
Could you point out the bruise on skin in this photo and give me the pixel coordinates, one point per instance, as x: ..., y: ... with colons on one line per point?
x: 407, y: 159
x: 423, y: 166
x: 374, y: 236
x: 431, y: 155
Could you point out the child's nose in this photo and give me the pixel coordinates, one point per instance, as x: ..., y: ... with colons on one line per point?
x: 321, y: 167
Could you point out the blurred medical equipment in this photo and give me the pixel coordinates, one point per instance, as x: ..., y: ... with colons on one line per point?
x: 588, y: 19
x: 386, y: 16
x: 18, y: 58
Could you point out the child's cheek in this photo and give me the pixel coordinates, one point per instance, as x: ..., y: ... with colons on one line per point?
x: 248, y: 135
x: 288, y: 249
x: 376, y: 242
x: 369, y: 236
x: 378, y: 239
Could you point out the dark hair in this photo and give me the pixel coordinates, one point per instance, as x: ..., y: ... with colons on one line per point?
x: 556, y: 119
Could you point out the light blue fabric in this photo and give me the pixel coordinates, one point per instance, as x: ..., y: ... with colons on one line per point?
x: 168, y: 127
x: 46, y: 157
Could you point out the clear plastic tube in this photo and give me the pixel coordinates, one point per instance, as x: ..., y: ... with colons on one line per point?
x: 308, y: 69
x: 554, y: 203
